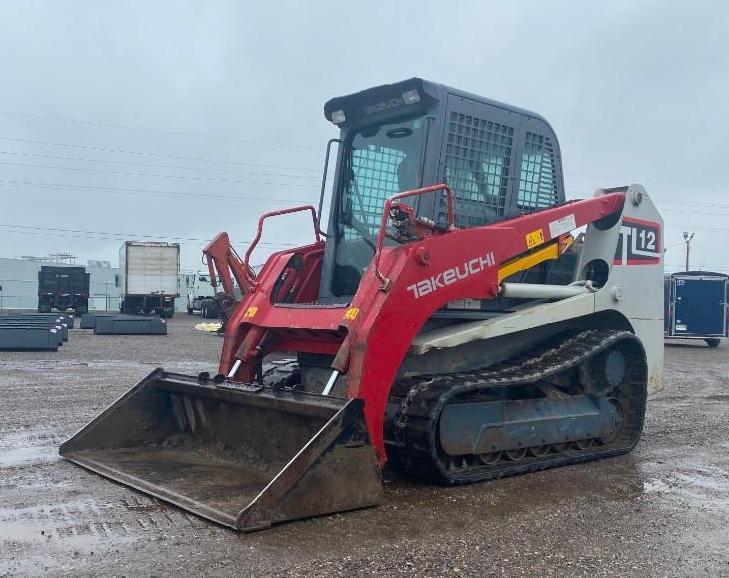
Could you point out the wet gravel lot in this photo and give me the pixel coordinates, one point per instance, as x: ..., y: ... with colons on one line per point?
x: 662, y: 510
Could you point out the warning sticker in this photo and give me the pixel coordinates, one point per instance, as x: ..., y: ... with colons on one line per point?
x: 562, y: 226
x: 534, y: 238
x: 351, y: 313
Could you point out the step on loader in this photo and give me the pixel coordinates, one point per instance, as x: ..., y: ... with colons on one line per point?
x: 456, y: 318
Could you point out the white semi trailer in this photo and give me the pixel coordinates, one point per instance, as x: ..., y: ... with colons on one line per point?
x: 149, y: 272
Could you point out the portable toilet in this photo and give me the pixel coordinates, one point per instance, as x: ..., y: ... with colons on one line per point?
x: 696, y: 306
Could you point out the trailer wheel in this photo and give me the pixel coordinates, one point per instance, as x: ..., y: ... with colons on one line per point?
x: 713, y: 342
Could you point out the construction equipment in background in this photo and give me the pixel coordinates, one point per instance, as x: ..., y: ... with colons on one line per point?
x: 201, y: 295
x: 149, y: 277
x: 696, y: 305
x: 455, y: 329
x: 63, y: 289
x: 228, y: 272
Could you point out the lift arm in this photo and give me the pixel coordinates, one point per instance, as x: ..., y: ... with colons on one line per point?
x: 226, y: 267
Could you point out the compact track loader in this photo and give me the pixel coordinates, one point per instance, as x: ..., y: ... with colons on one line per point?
x: 456, y: 317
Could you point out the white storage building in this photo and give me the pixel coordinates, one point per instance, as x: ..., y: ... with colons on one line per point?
x: 19, y: 284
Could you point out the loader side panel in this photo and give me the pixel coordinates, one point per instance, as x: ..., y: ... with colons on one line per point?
x: 634, y: 284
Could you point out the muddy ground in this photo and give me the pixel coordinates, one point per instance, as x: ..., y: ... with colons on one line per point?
x: 663, y: 510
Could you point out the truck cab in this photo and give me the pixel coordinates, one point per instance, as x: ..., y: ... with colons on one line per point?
x: 201, y: 295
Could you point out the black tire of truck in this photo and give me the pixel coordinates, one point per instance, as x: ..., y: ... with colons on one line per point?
x: 211, y: 309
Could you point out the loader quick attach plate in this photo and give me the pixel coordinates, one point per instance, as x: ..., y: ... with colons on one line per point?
x: 245, y: 457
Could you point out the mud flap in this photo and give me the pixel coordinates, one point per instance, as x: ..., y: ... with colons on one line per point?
x: 244, y: 456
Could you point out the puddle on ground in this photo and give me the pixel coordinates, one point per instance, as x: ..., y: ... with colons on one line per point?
x: 705, y: 485
x: 618, y: 479
x: 74, y: 522
x: 21, y: 447
x: 26, y: 455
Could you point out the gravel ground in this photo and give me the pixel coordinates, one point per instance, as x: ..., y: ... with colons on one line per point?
x: 662, y: 510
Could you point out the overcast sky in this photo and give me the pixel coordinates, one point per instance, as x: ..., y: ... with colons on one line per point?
x: 162, y: 120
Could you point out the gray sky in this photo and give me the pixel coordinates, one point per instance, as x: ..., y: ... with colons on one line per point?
x: 636, y: 91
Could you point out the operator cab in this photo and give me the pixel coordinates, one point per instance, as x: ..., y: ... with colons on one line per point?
x: 500, y: 162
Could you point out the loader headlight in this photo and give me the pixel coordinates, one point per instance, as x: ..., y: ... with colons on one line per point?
x: 411, y: 97
x: 338, y: 117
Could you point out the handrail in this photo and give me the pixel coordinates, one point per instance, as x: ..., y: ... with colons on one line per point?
x: 324, y: 179
x: 386, y: 216
x: 276, y: 214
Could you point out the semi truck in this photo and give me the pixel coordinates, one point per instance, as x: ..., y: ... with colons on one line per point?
x: 63, y: 288
x: 149, y: 272
x: 201, y: 295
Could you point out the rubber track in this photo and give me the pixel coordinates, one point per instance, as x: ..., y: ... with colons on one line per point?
x: 412, y: 432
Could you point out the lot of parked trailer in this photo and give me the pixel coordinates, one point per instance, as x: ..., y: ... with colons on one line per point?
x: 662, y: 510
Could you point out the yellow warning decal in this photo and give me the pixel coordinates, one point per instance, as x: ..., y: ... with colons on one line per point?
x: 351, y: 313
x: 534, y: 238
x: 251, y: 311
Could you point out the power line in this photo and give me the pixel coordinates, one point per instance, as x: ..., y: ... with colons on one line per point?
x: 55, y: 235
x: 122, y: 238
x: 151, y: 130
x: 131, y: 235
x: 176, y: 167
x: 660, y: 202
x: 634, y: 180
x: 157, y: 176
x: 196, y: 195
x: 683, y: 265
x: 253, y: 141
x: 150, y: 154
x: 709, y: 229
x: 257, y: 165
x: 147, y: 192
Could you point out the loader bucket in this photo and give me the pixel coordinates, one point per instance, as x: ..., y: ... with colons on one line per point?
x: 241, y: 455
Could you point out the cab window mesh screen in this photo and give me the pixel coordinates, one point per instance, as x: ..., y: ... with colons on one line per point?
x: 376, y: 178
x: 537, y: 181
x: 477, y: 167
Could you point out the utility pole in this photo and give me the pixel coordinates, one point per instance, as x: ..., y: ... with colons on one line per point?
x: 687, y: 239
